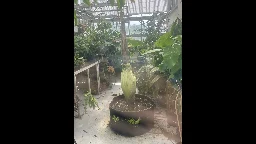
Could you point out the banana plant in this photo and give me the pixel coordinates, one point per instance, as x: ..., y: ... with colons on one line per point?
x: 169, y: 47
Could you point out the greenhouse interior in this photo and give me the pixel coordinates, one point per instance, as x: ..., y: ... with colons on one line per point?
x: 127, y: 71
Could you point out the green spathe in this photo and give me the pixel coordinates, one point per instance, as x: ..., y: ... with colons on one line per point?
x: 128, y: 83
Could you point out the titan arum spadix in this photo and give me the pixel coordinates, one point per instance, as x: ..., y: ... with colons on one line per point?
x: 128, y: 83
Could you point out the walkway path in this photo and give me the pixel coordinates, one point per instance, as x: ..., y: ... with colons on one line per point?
x: 93, y: 127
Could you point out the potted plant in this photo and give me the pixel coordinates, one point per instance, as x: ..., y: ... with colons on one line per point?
x: 131, y: 114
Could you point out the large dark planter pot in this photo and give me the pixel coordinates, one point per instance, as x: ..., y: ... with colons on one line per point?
x: 123, y: 127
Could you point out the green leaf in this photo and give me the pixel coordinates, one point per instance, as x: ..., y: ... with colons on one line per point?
x: 171, y: 76
x: 75, y: 18
x: 165, y: 40
x: 171, y: 58
x: 177, y: 48
x: 152, y: 51
x: 162, y: 67
x: 178, y: 37
x: 76, y: 1
x: 169, y: 63
x: 90, y: 101
x: 137, y: 121
x: 134, y: 43
x: 175, y: 68
x: 87, y: 2
x: 118, y: 4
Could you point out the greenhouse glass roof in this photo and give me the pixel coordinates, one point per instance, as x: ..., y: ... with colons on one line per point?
x: 134, y: 12
x: 104, y: 9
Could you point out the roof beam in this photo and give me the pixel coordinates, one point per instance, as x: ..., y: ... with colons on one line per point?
x: 158, y: 5
x: 135, y: 7
x: 154, y: 5
x: 117, y: 19
x: 108, y: 10
x: 140, y: 6
x: 94, y: 5
x: 165, y: 4
x: 147, y: 5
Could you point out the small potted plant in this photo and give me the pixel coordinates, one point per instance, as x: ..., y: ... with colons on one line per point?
x: 131, y: 114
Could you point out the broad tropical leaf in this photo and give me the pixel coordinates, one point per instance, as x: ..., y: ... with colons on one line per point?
x: 162, y: 67
x: 178, y: 37
x: 175, y: 68
x: 165, y: 40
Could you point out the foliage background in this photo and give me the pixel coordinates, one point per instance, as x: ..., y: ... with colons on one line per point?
x: 97, y: 41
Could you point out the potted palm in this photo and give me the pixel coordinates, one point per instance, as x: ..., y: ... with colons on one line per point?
x: 131, y: 114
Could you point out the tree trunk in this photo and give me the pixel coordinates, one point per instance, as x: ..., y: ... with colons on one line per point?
x: 123, y: 34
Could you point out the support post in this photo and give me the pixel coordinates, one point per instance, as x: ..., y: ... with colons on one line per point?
x: 98, y: 77
x: 88, y: 76
x: 123, y: 34
x: 141, y: 28
x: 75, y: 98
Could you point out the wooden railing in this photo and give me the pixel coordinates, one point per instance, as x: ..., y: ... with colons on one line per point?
x: 89, y: 85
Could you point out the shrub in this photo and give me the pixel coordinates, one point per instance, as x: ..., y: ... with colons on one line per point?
x: 146, y: 78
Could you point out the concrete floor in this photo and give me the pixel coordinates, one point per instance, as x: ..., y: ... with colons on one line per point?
x: 93, y: 128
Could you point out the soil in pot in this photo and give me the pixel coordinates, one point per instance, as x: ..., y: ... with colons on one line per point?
x: 142, y: 109
x: 140, y: 104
